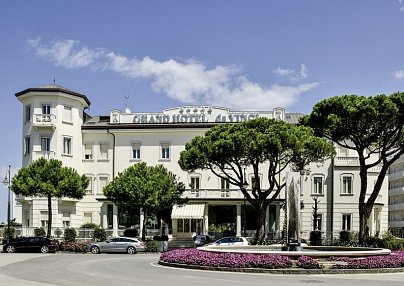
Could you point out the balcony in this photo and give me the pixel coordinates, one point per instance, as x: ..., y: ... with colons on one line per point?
x: 222, y: 194
x: 396, y: 175
x: 396, y: 207
x: 346, y: 161
x: 44, y: 120
x: 396, y: 223
x: 43, y: 154
x: 396, y: 191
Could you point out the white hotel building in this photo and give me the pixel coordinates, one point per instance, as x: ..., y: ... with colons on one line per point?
x: 56, y: 125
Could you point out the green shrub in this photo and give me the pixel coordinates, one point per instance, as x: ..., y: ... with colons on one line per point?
x: 373, y: 241
x: 5, y: 231
x: 89, y: 225
x: 70, y: 234
x: 152, y: 246
x: 131, y: 232
x: 100, y: 234
x: 315, y: 237
x: 345, y: 236
x: 39, y: 231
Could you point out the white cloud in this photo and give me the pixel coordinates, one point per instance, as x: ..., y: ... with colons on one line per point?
x: 187, y: 81
x: 66, y: 53
x: 292, y: 75
x: 398, y: 74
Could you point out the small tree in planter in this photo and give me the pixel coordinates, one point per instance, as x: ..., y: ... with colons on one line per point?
x: 39, y: 231
x: 344, y: 236
x: 315, y: 235
x: 100, y: 234
x: 70, y: 234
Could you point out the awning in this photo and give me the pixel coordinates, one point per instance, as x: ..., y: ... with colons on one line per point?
x: 188, y: 211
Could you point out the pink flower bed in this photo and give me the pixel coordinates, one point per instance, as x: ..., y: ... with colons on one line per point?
x: 225, y: 259
x: 395, y: 260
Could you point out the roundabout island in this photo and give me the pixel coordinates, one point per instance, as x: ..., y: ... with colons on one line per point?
x: 271, y: 259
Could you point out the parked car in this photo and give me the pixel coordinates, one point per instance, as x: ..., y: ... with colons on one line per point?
x: 31, y: 244
x: 230, y: 241
x: 118, y: 245
x: 200, y: 240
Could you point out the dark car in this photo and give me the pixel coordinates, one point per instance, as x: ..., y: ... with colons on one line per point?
x: 200, y: 240
x: 31, y: 244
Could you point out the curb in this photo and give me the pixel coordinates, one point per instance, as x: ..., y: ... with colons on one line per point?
x: 285, y: 271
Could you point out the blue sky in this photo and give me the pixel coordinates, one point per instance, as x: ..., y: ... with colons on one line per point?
x: 244, y: 55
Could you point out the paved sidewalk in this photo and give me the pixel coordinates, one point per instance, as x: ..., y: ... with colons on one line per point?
x: 9, y: 258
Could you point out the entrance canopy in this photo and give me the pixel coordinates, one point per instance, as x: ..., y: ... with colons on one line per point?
x: 191, y: 211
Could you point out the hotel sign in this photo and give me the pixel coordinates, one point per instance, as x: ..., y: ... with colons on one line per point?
x: 187, y: 114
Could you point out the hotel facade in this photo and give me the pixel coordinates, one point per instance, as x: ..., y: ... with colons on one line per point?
x: 56, y: 125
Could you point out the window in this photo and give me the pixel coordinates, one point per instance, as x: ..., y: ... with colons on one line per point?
x: 318, y: 222
x: 343, y: 152
x: 103, y: 151
x: 67, y: 145
x: 44, y: 218
x: 45, y: 144
x: 102, y: 184
x: 317, y: 188
x: 89, y: 189
x: 27, y: 145
x: 346, y: 221
x: 165, y: 151
x: 136, y: 151
x: 27, y: 113
x: 346, y: 184
x: 46, y: 109
x: 88, y: 217
x: 67, y: 114
x: 195, y: 186
x: 224, y: 188
x: 66, y: 219
x: 224, y: 184
x: 88, y: 151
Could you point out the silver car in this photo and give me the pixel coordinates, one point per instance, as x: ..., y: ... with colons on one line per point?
x: 118, y: 245
x: 230, y: 241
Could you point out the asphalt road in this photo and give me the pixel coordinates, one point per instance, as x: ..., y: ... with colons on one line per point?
x: 142, y: 269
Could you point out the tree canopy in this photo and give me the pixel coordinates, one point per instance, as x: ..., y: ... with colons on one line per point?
x: 153, y: 188
x: 48, y: 178
x: 268, y: 146
x: 372, y: 127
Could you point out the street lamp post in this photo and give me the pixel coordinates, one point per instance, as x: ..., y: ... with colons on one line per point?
x: 245, y: 185
x: 7, y: 181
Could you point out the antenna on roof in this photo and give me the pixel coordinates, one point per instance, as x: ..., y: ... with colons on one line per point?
x: 127, y: 110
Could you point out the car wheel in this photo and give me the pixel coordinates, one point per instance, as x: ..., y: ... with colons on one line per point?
x: 131, y: 250
x: 10, y: 249
x: 95, y: 250
x: 44, y: 249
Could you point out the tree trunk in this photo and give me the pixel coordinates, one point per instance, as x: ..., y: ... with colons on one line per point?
x: 48, y: 233
x: 144, y: 225
x: 261, y: 216
x: 364, y: 214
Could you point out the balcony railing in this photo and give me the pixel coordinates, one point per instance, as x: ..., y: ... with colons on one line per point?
x: 346, y: 161
x: 43, y: 154
x: 214, y: 193
x: 44, y: 120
